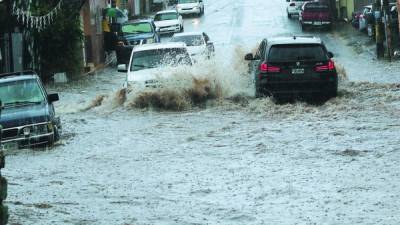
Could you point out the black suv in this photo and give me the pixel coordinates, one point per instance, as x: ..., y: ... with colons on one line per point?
x: 27, y: 113
x: 132, y: 33
x: 293, y: 65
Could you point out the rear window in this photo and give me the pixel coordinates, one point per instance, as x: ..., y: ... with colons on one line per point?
x: 290, y: 53
x: 316, y: 6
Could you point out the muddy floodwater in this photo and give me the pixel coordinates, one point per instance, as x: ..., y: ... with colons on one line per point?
x: 212, y: 153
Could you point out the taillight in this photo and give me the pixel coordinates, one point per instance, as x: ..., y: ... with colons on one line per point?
x: 264, y: 67
x: 292, y: 4
x: 327, y: 67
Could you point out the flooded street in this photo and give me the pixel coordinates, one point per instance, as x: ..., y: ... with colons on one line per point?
x: 228, y: 159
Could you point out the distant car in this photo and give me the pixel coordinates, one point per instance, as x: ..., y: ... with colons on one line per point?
x: 134, y: 33
x: 293, y: 65
x: 168, y: 21
x: 149, y: 64
x: 294, y: 7
x: 27, y: 112
x: 198, y: 43
x: 365, y: 18
x: 315, y: 14
x: 185, y: 7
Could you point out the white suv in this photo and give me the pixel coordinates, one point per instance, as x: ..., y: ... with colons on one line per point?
x: 294, y: 7
x: 190, y: 7
x: 151, y: 65
x: 168, y: 21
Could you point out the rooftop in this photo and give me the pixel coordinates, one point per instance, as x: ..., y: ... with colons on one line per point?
x: 294, y: 40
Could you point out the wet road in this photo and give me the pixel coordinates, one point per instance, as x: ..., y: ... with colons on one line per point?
x: 232, y: 160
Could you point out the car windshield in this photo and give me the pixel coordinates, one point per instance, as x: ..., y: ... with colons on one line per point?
x: 189, y: 40
x: 20, y: 92
x: 136, y: 28
x: 316, y: 7
x: 290, y: 53
x: 166, y: 16
x: 160, y: 57
x: 187, y: 1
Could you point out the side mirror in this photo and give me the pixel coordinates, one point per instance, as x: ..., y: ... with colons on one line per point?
x: 288, y: 0
x: 53, y: 97
x: 397, y: 54
x: 122, y: 68
x: 249, y: 56
x: 330, y: 55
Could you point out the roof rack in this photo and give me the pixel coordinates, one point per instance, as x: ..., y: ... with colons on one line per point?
x: 19, y: 73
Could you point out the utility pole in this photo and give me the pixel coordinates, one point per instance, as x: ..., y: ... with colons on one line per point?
x: 398, y: 13
x: 9, y: 37
x: 377, y: 13
x: 388, y: 27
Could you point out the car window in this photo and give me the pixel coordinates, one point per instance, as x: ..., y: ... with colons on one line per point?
x: 189, y: 40
x: 316, y: 7
x: 21, y: 92
x: 135, y: 28
x: 166, y: 16
x: 160, y: 57
x: 292, y: 52
x: 260, y: 50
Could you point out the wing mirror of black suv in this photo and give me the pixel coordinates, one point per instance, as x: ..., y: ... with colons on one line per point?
x: 330, y: 55
x: 53, y: 97
x: 249, y: 56
x: 288, y: 0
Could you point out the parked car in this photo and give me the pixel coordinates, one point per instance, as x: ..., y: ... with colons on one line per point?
x: 27, y: 112
x: 294, y: 7
x: 168, y: 21
x: 149, y: 64
x: 315, y: 14
x: 185, y: 7
x: 198, y: 43
x: 293, y: 65
x: 134, y: 33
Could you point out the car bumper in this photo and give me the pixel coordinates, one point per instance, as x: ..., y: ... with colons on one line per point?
x: 298, y: 87
x: 171, y: 29
x: 189, y: 11
x: 317, y: 23
x: 30, y: 141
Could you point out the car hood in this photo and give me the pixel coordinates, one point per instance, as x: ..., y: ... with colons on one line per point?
x: 133, y: 37
x: 188, y: 5
x: 166, y: 23
x: 172, y: 77
x: 24, y: 115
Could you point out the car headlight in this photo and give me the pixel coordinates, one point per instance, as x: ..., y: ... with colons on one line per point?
x: 37, y: 129
x: 196, y: 7
x: 150, y: 41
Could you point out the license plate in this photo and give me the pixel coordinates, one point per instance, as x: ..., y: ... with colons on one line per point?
x: 317, y: 23
x: 298, y: 71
